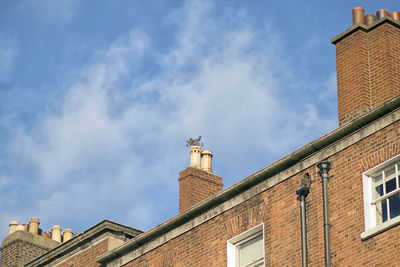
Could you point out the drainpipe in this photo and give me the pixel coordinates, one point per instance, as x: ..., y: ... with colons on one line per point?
x: 303, y: 192
x: 324, y: 167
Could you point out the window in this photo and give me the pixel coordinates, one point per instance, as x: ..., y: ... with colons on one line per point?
x: 382, y: 197
x: 247, y: 249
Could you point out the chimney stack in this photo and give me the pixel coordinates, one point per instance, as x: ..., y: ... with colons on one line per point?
x: 197, y: 182
x: 367, y: 62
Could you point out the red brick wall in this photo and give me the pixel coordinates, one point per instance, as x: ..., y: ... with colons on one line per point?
x: 368, y: 70
x: 88, y: 256
x: 195, y: 185
x: 347, y: 212
x: 278, y: 209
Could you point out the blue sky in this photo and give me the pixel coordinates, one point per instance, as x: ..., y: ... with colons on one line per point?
x: 97, y: 99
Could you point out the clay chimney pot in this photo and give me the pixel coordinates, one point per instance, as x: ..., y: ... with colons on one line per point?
x: 34, y: 226
x: 46, y: 234
x: 358, y: 15
x: 67, y: 234
x: 56, y: 233
x: 381, y: 13
x: 195, y: 156
x: 369, y: 19
x: 206, y: 157
x: 13, y: 227
x: 395, y: 15
x: 20, y: 228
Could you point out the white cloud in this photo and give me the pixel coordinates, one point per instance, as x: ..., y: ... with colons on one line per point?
x: 115, y: 140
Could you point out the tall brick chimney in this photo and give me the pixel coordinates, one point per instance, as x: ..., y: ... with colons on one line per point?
x: 368, y: 63
x: 197, y: 182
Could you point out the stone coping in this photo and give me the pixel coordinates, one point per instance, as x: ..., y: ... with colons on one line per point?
x: 23, y: 236
x: 105, y: 226
x: 365, y: 28
x: 322, y: 148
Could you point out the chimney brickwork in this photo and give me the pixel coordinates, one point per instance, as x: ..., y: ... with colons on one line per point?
x: 21, y: 247
x: 197, y: 182
x: 195, y: 185
x: 368, y: 66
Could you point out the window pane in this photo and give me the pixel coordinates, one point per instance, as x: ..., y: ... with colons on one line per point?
x: 378, y: 191
x: 394, y: 206
x: 379, y: 212
x: 384, y: 211
x: 377, y: 178
x: 251, y: 250
x: 390, y: 185
x: 389, y: 173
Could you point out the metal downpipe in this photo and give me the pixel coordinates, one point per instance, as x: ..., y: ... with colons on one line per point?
x: 324, y: 167
x: 303, y: 192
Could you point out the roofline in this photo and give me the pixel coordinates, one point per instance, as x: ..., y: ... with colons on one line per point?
x: 255, y: 178
x: 365, y: 28
x: 91, y: 233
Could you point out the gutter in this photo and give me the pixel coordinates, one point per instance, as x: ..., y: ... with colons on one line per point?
x: 254, y: 179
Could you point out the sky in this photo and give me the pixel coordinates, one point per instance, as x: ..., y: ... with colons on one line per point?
x: 98, y: 98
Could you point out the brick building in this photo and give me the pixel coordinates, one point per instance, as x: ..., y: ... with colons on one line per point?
x: 22, y: 246
x: 333, y: 202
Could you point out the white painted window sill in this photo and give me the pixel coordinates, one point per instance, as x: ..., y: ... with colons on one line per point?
x: 380, y: 228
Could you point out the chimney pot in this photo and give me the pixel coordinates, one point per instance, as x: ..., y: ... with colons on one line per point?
x: 358, y: 15
x: 46, y: 234
x: 195, y: 156
x: 67, y: 234
x: 20, y: 227
x: 13, y: 227
x: 381, y: 13
x: 206, y: 157
x: 369, y: 19
x: 56, y: 233
x: 395, y: 15
x: 34, y: 226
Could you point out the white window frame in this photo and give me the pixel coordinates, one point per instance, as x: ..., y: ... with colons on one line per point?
x: 233, y: 243
x: 371, y: 226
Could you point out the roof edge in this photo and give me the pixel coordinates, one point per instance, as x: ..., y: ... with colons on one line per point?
x: 96, y: 230
x: 255, y: 178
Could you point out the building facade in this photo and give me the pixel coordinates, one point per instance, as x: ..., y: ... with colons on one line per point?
x: 333, y: 202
